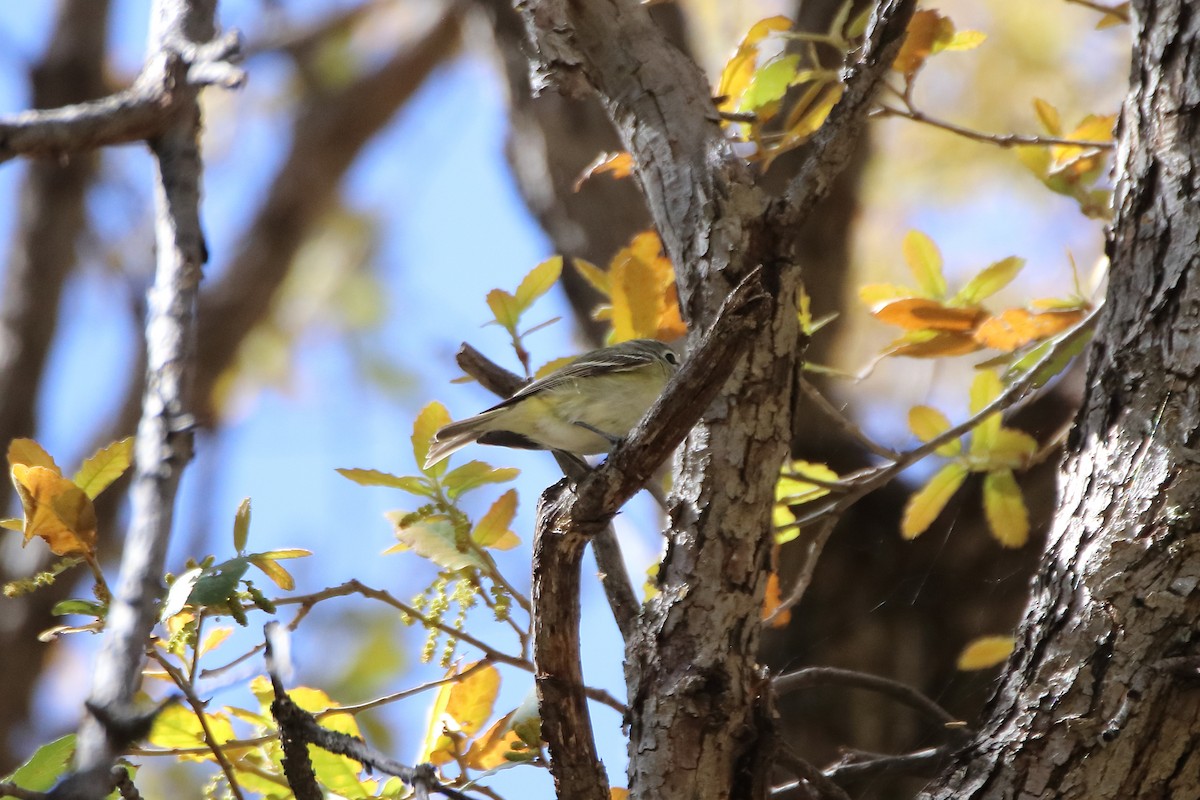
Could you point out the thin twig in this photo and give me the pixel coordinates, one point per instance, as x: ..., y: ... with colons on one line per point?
x: 812, y: 554
x: 198, y: 707
x: 1005, y: 140
x: 1116, y: 11
x: 812, y: 677
x: 805, y: 771
x: 843, y: 422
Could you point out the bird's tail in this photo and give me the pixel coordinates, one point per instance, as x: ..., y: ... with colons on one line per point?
x: 455, y: 436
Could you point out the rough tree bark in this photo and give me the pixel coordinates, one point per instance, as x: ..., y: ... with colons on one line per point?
x: 1100, y: 700
x: 696, y: 693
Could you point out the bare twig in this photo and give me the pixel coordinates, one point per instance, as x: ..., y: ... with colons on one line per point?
x: 1116, y: 11
x: 164, y: 440
x: 836, y: 416
x: 1005, y: 140
x: 812, y: 677
x: 825, y: 788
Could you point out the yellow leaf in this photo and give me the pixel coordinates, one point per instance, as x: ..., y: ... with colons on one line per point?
x: 427, y: 423
x: 1005, y: 508
x: 986, y: 651
x: 597, y: 277
x: 793, y: 490
x: 965, y: 40
x: 617, y: 793
x: 458, y: 712
x: 56, y: 510
x: 637, y: 299
x: 772, y: 601
x: 984, y: 389
x: 278, y: 575
x: 493, y: 746
x: 31, y: 454
x: 104, y: 467
x: 492, y: 528
x: 1049, y: 116
x: 1012, y: 448
x: 505, y: 308
x: 924, y: 261
x: 929, y: 423
x: 991, y: 280
x: 927, y: 503
x: 737, y: 72
x: 178, y: 727
x: 214, y: 639
x: 619, y: 165
x: 539, y: 281
x: 873, y: 294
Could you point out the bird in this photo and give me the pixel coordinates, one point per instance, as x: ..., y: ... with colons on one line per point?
x: 584, y: 407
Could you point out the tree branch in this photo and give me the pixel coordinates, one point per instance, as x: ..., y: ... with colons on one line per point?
x: 164, y: 440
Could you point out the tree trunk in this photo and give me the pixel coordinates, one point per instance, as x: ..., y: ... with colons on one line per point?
x: 1095, y: 702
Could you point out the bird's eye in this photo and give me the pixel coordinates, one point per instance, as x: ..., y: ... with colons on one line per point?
x: 671, y: 358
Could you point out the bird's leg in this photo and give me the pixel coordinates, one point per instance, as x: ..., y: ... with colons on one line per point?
x: 608, y: 437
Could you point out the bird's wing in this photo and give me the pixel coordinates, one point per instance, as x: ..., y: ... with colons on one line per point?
x: 585, y: 364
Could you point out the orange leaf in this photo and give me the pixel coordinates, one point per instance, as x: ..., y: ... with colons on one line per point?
x: 772, y: 600
x: 56, y: 510
x: 619, y: 165
x: 948, y: 343
x: 918, y: 314
x: 1017, y: 327
x: 925, y: 31
x: 491, y: 748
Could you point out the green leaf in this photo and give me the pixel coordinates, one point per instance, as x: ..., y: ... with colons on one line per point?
x: 432, y: 418
x: 105, y: 466
x: 991, y: 280
x: 925, y: 262
x: 47, y: 764
x: 1004, y: 507
x: 928, y: 423
x: 770, y: 83
x: 219, y: 583
x: 178, y: 727
x: 373, y: 477
x: 492, y: 530
x: 241, y: 525
x: 927, y: 503
x: 474, y: 474
x: 87, y: 608
x: 539, y: 281
x: 433, y: 539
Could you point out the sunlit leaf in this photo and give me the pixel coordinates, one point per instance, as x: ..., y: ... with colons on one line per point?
x: 539, y: 281
x: 873, y: 294
x: 986, y: 651
x: 87, y: 608
x: 432, y: 417
x: 792, y: 490
x: 1012, y: 449
x: 1017, y: 327
x: 924, y: 506
x: 505, y: 308
x: 597, y: 277
x: 178, y: 728
x: 772, y: 600
x: 241, y: 525
x: 924, y: 261
x: 104, y: 467
x: 1049, y: 116
x: 474, y: 474
x: 56, y: 510
x: 1004, y: 507
x: 214, y: 638
x: 492, y: 747
x: 271, y: 568
x: 492, y: 530
x: 458, y: 712
x: 965, y: 40
x: 938, y: 345
x: 619, y: 165
x: 769, y: 83
x: 433, y: 538
x: 991, y: 280
x: 47, y: 764
x: 739, y: 70
x: 31, y: 454
x: 928, y: 423
x: 373, y: 477
x: 177, y: 596
x: 219, y: 583
x: 985, y: 388
x: 916, y: 313
x: 928, y: 32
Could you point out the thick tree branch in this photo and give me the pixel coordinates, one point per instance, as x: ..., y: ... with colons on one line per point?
x: 164, y: 440
x: 161, y: 94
